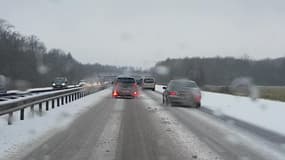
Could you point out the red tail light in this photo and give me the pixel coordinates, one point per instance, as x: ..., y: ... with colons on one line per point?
x: 115, y: 93
x: 172, y: 93
x: 135, y: 93
x: 198, y: 98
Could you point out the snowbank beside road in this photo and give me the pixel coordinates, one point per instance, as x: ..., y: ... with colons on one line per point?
x: 267, y: 114
x: 21, y: 133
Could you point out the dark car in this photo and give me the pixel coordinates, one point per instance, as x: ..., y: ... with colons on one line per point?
x: 125, y: 87
x: 182, y: 92
x: 60, y: 83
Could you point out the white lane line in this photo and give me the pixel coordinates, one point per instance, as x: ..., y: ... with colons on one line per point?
x: 107, y: 142
x: 186, y: 143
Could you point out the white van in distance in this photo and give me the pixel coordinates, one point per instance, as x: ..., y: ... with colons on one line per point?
x: 148, y: 83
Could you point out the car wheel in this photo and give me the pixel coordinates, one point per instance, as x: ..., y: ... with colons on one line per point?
x: 198, y: 105
x: 167, y: 102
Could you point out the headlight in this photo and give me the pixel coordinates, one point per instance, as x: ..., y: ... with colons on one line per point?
x: 63, y: 84
x: 53, y: 84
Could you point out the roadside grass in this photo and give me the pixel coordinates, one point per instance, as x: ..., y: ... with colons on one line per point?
x: 272, y: 92
x: 266, y: 92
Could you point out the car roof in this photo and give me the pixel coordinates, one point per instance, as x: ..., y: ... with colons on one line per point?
x: 149, y: 78
x: 182, y: 80
x: 125, y: 77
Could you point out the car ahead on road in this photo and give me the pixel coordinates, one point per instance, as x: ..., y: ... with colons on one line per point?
x: 148, y: 83
x: 182, y: 92
x: 83, y: 83
x: 125, y: 87
x: 60, y: 83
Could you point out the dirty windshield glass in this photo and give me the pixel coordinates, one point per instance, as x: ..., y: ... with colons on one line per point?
x: 142, y: 79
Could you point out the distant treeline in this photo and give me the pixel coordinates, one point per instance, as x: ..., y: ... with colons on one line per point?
x: 27, y: 63
x: 222, y: 71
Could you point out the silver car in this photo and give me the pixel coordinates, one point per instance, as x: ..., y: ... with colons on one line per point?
x: 148, y: 83
x: 182, y: 92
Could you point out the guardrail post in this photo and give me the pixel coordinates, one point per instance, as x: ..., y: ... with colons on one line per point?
x: 52, y: 103
x: 40, y: 109
x: 62, y: 100
x: 58, y: 102
x: 66, y: 100
x: 22, y: 112
x: 32, y: 110
x: 10, y: 117
x: 47, y: 107
x: 69, y: 98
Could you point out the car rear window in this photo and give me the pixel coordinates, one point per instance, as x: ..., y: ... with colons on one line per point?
x: 148, y: 80
x: 180, y: 85
x: 126, y: 80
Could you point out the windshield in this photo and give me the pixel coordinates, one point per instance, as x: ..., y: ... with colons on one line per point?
x: 182, y: 85
x: 149, y: 80
x: 59, y: 80
x: 126, y: 80
x: 142, y: 79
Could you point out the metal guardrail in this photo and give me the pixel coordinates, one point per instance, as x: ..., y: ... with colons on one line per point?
x: 50, y: 100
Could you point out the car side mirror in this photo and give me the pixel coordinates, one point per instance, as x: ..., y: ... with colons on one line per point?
x: 164, y: 88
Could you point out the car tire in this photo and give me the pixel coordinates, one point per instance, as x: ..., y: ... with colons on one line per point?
x: 198, y: 105
x: 167, y: 103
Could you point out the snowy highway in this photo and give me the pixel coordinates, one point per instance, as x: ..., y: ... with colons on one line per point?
x: 100, y: 127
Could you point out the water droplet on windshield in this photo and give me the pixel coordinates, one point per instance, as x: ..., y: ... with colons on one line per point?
x: 42, y: 69
x: 161, y: 70
x: 232, y: 139
x: 218, y: 112
x: 244, y: 86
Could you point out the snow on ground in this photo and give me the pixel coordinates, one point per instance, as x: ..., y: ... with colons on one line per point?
x: 28, y: 131
x: 267, y: 114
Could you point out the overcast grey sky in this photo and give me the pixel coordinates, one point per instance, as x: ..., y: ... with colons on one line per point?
x: 141, y: 32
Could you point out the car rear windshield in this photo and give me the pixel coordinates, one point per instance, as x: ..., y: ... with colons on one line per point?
x: 126, y: 80
x: 148, y: 80
x: 181, y: 85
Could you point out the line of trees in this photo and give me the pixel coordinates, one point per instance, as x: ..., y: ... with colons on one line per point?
x: 223, y: 70
x: 27, y: 63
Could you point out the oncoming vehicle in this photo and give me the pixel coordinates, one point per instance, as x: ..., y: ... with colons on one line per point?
x: 83, y: 83
x: 60, y: 83
x: 148, y: 83
x: 182, y: 92
x: 125, y: 87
